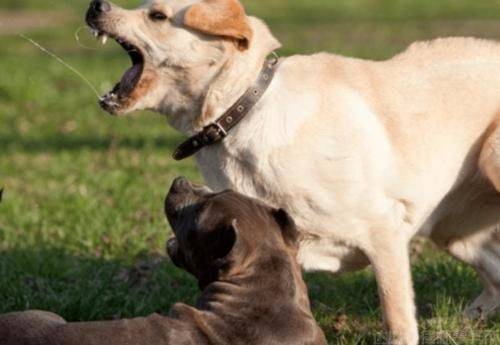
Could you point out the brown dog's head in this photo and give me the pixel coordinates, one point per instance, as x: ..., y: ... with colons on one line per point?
x: 216, y: 232
x: 177, y: 47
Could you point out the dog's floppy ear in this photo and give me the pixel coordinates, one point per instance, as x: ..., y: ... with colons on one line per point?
x: 217, y: 248
x: 287, y: 226
x: 225, y: 18
x: 220, y: 243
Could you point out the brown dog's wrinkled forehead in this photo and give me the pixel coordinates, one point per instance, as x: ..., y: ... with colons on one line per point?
x: 192, y: 207
x: 230, y: 204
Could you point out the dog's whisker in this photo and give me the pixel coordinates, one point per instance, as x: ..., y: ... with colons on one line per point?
x: 64, y: 63
x: 77, y: 38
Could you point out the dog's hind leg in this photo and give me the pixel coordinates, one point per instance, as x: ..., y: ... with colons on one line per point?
x: 474, y: 238
x: 472, y: 230
x: 489, y: 161
x: 482, y: 251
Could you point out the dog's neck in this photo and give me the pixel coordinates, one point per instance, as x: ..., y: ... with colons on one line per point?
x: 251, y: 298
x: 267, y: 274
x: 200, y: 94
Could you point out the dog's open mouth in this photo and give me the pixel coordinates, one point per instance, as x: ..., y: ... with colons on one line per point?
x: 117, y: 97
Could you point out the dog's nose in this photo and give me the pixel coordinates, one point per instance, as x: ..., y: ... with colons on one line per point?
x: 100, y: 6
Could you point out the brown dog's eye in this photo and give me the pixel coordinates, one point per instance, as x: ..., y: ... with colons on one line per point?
x: 157, y: 16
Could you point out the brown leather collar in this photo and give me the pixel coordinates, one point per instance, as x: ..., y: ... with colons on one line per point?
x: 218, y: 130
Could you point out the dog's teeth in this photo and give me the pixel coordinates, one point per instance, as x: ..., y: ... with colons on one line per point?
x: 104, y: 39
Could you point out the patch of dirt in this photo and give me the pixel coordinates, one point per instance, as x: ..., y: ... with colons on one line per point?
x: 16, y: 22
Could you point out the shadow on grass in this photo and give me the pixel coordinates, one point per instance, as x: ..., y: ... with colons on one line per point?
x: 90, y: 287
x: 347, y: 306
x: 356, y: 293
x: 75, y: 143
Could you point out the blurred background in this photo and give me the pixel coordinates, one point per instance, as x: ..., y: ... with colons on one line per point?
x: 82, y: 230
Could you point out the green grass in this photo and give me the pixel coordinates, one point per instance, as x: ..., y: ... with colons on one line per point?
x: 82, y: 230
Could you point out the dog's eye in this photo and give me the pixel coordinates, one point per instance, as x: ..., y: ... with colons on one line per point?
x: 157, y: 16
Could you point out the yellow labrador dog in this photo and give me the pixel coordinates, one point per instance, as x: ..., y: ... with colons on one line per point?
x: 364, y: 155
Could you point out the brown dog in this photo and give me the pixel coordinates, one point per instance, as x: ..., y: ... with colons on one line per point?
x: 243, y: 255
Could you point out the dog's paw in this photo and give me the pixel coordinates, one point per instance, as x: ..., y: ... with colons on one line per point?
x: 483, y: 307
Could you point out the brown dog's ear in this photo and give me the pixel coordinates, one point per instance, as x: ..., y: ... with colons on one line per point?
x: 225, y: 18
x: 217, y: 247
x: 287, y: 226
x: 220, y: 243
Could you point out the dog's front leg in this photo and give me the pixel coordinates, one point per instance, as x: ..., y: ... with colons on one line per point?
x: 389, y: 256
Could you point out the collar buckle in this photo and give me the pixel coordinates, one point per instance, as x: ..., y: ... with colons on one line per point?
x: 218, y: 130
x: 212, y: 133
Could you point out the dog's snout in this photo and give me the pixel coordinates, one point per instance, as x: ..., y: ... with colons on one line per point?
x: 100, y: 6
x: 179, y: 194
x: 180, y: 184
x: 182, y: 195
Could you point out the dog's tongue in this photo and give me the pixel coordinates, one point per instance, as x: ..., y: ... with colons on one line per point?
x: 130, y: 78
